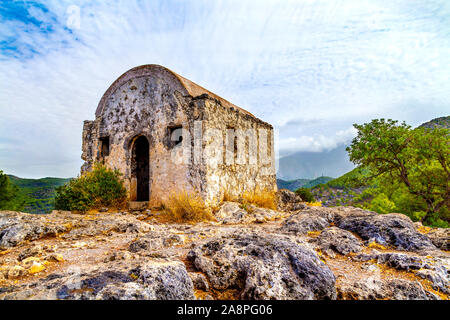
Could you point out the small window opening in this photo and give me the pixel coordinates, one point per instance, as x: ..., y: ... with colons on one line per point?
x: 232, y: 138
x: 176, y: 135
x: 104, y: 145
x: 232, y: 145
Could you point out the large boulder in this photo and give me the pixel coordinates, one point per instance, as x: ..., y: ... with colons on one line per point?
x: 264, y: 267
x: 17, y: 227
x: 435, y: 270
x: 230, y: 212
x: 393, y: 229
x: 399, y: 261
x: 289, y: 201
x: 375, y: 289
x: 311, y: 219
x: 440, y: 238
x: 337, y: 240
x: 15, y: 230
x: 147, y: 280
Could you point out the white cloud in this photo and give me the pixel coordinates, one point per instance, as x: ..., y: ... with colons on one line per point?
x: 325, y: 64
x: 315, y: 143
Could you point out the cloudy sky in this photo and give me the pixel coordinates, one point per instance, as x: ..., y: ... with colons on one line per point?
x: 311, y: 68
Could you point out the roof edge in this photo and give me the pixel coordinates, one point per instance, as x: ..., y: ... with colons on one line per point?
x: 189, y: 87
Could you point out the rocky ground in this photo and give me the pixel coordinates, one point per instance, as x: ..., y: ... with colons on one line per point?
x: 298, y: 252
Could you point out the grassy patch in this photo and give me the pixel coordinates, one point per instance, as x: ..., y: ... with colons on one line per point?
x: 188, y: 207
x: 260, y: 198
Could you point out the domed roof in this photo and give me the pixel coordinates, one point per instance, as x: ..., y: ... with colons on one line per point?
x: 188, y: 86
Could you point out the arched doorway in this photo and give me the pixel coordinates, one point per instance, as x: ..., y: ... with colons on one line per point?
x: 140, y: 168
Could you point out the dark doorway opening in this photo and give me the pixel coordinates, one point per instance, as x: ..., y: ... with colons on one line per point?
x: 141, y: 168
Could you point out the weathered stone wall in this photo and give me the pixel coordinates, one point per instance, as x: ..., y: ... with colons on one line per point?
x: 242, y: 166
x: 89, y: 146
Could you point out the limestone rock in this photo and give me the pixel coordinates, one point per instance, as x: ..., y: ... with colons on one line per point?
x: 16, y: 227
x: 14, y: 272
x: 397, y: 289
x: 166, y: 280
x: 199, y: 280
x: 338, y: 240
x: 435, y: 270
x: 151, y: 279
x: 399, y: 261
x: 289, y: 201
x: 307, y: 220
x: 438, y: 277
x: 392, y: 229
x: 230, y: 212
x: 260, y: 256
x: 233, y: 213
x: 440, y: 238
x: 264, y: 267
x: 13, y: 234
x: 30, y: 252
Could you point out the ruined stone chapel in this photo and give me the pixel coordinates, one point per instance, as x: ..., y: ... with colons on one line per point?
x: 167, y: 134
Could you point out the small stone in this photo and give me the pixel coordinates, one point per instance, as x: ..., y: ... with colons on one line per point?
x: 56, y: 257
x: 28, y: 262
x: 36, y: 268
x: 120, y: 255
x: 79, y: 244
x: 15, y: 272
x: 29, y: 252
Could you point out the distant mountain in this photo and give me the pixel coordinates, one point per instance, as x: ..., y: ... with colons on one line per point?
x: 442, y: 122
x: 39, y: 194
x: 314, y: 182
x: 291, y: 184
x: 313, y: 164
x: 299, y: 183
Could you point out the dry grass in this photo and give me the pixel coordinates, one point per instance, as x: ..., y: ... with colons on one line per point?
x: 260, y: 198
x: 228, y: 197
x: 186, y: 207
x: 314, y: 204
x: 314, y: 234
x: 376, y: 245
x: 424, y: 229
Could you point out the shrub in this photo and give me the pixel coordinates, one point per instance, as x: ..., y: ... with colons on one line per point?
x: 382, y: 204
x: 102, y: 187
x: 260, y: 198
x: 305, y: 194
x: 10, y: 197
x: 186, y: 207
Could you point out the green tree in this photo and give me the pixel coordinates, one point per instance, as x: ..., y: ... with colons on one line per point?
x: 415, y: 158
x: 10, y: 198
x: 381, y: 204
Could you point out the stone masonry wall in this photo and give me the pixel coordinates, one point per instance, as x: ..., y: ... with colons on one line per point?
x: 243, y: 168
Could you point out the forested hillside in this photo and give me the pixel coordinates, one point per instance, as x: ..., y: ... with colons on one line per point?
x: 38, y: 194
